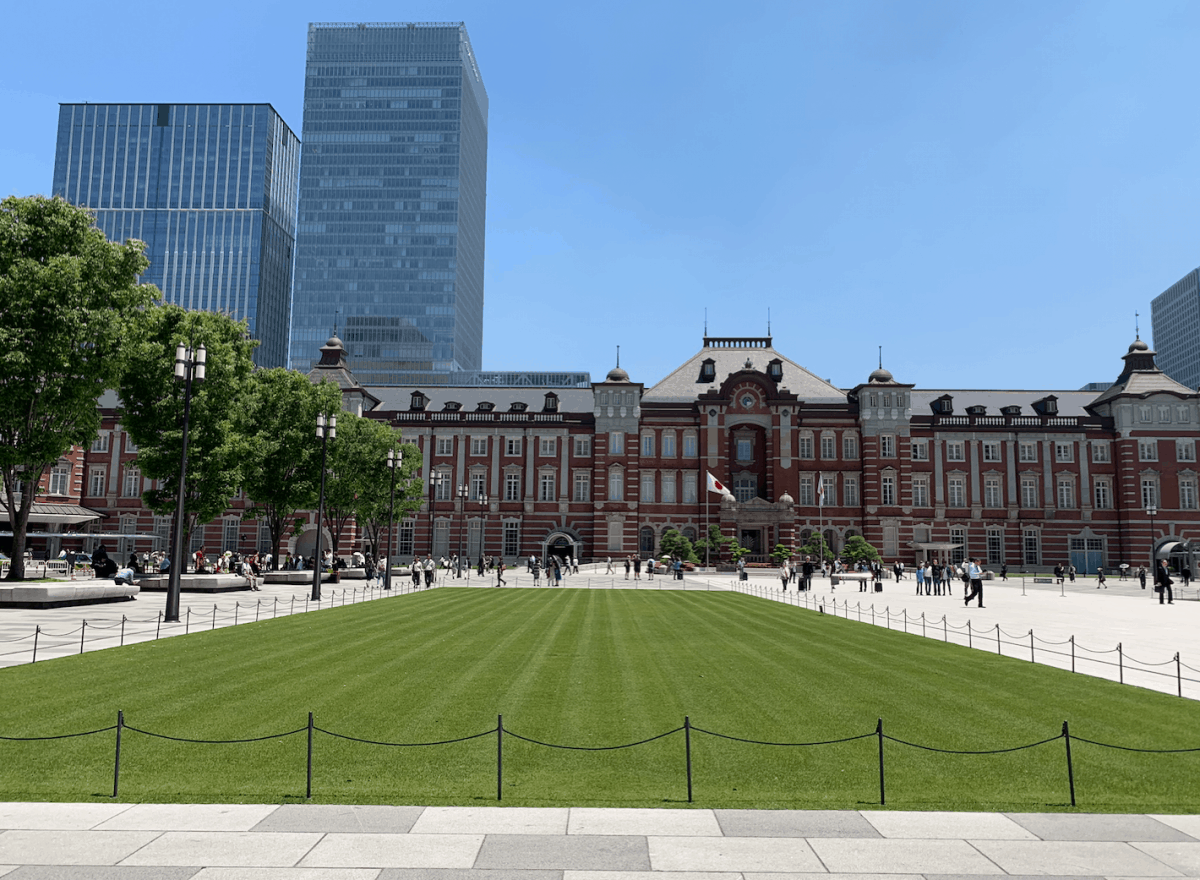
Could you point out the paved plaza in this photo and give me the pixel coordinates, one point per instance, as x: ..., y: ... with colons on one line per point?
x: 99, y: 841
x: 302, y: 842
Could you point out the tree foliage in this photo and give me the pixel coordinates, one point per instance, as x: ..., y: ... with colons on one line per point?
x: 709, y: 548
x: 818, y: 548
x: 675, y: 544
x: 781, y: 554
x: 373, y: 506
x: 68, y: 297
x: 152, y: 402
x: 282, y: 465
x: 858, y: 550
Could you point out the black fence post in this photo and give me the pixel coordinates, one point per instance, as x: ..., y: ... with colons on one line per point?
x: 499, y: 756
x: 998, y: 651
x: 1178, y: 675
x: 687, y: 747
x: 38, y: 631
x: 945, y: 630
x: 1032, y: 655
x: 117, y: 761
x: 969, y: 641
x: 308, y: 787
x: 879, y: 735
x: 214, y: 625
x: 187, y: 623
x: 257, y: 608
x: 158, y: 629
x: 122, y: 630
x: 1072, y: 653
x: 1066, y: 732
x: 1120, y: 664
x: 82, y: 633
x: 236, y: 606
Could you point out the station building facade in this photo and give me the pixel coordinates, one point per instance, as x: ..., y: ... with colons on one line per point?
x: 1024, y: 478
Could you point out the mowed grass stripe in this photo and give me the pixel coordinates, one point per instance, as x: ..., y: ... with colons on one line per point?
x: 587, y: 668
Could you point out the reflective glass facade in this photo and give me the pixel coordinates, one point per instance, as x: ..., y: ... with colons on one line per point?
x: 210, y: 188
x: 392, y: 198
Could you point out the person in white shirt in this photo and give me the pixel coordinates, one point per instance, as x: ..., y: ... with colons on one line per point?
x: 975, y: 573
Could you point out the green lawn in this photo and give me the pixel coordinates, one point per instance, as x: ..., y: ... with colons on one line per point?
x: 586, y: 668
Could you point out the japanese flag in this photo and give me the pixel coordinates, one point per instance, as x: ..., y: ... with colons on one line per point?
x: 820, y: 490
x: 715, y: 485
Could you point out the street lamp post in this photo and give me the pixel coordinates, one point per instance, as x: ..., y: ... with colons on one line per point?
x: 189, y: 368
x: 483, y: 511
x: 325, y: 433
x: 463, y: 491
x: 1152, y: 511
x: 435, y: 485
x: 393, y: 462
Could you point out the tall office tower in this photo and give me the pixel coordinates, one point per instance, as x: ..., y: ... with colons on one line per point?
x: 210, y: 188
x: 392, y: 197
x: 1175, y: 320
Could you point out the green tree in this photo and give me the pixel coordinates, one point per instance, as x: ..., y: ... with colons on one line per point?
x: 709, y: 548
x: 674, y: 543
x: 781, y: 554
x: 858, y: 550
x: 357, y: 474
x: 817, y: 547
x: 151, y: 410
x: 737, y: 551
x: 67, y: 296
x: 373, y: 506
x: 282, y: 466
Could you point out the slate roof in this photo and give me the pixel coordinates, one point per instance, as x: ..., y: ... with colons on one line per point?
x: 399, y: 397
x: 682, y: 386
x: 1070, y: 403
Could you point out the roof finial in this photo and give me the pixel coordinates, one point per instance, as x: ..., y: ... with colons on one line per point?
x: 768, y: 320
x: 618, y: 355
x: 706, y: 320
x: 881, y: 357
x: 1137, y: 329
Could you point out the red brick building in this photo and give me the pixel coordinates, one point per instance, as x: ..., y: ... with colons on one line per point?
x: 1031, y: 478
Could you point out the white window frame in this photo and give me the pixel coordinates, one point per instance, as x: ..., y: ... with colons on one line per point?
x: 1187, y: 493
x: 956, y: 450
x: 956, y: 492
x: 478, y: 446
x: 512, y: 446
x: 616, y: 484
x: 646, y: 495
x: 1149, y: 491
x: 1027, y: 451
x: 1147, y: 450
x: 1101, y: 453
x: 993, y: 495
x: 668, y: 444
x: 131, y: 483
x: 583, y: 447
x: 850, y: 491
x: 668, y: 489
x: 97, y: 479
x: 850, y: 447
x: 991, y: 450
x: 581, y: 483
x: 647, y: 444
x: 1185, y: 449
x: 547, y: 485
x: 60, y: 480
x: 547, y: 447
x: 887, y: 445
x: 512, y: 486
x: 806, y: 491
x: 100, y: 444
x: 1029, y: 493
x: 690, y: 483
x: 691, y: 444
x: 616, y: 442
x: 1064, y: 451
x: 804, y: 446
x: 828, y: 447
x: 443, y: 445
x: 1102, y: 494
x: 920, y: 491
x: 919, y: 450
x: 887, y: 490
x: 1064, y: 492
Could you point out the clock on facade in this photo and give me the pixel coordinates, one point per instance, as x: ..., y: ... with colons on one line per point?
x: 747, y: 401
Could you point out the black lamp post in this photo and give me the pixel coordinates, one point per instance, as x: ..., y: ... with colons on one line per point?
x: 483, y: 512
x: 325, y: 433
x: 189, y: 368
x: 393, y: 462
x: 463, y: 491
x: 435, y: 485
x: 1152, y: 511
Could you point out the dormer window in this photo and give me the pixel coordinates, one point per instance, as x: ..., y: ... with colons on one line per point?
x: 1047, y: 406
x: 485, y: 406
x: 775, y: 370
x: 1010, y: 410
x: 452, y: 406
x: 551, y: 404
x: 943, y: 406
x: 518, y: 406
x: 419, y: 401
x: 977, y: 410
x: 708, y: 370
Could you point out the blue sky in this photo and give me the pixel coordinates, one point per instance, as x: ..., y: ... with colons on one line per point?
x: 987, y: 190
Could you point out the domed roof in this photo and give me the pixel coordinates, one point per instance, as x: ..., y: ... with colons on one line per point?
x: 785, y: 498
x: 880, y: 375
x: 616, y: 374
x: 1138, y: 345
x: 334, y: 342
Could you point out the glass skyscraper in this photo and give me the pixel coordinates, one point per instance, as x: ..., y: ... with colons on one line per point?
x: 392, y: 199
x: 210, y: 188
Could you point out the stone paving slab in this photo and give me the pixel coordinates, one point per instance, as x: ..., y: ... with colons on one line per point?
x: 188, y: 817
x: 794, y: 823
x: 580, y: 852
x: 340, y: 818
x: 947, y: 826
x: 44, y: 847
x: 490, y: 820
x: 63, y: 817
x: 653, y: 875
x: 444, y: 874
x: 97, y: 872
x: 667, y: 823
x: 1106, y: 858
x: 288, y: 874
x: 222, y: 848
x: 902, y: 856
x: 1189, y: 825
x: 1183, y: 857
x: 732, y: 854
x: 1097, y: 826
x: 394, y: 851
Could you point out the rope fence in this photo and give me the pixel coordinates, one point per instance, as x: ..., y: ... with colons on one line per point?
x: 1027, y: 645
x: 687, y: 729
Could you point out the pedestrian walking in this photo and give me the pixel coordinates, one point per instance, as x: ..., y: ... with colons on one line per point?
x: 1162, y: 583
x: 608, y: 569
x: 500, y: 574
x: 975, y: 576
x: 1101, y: 582
x: 1141, y: 573
x: 637, y: 568
x: 628, y: 563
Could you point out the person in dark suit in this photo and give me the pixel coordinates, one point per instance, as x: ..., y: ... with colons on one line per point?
x: 1162, y: 583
